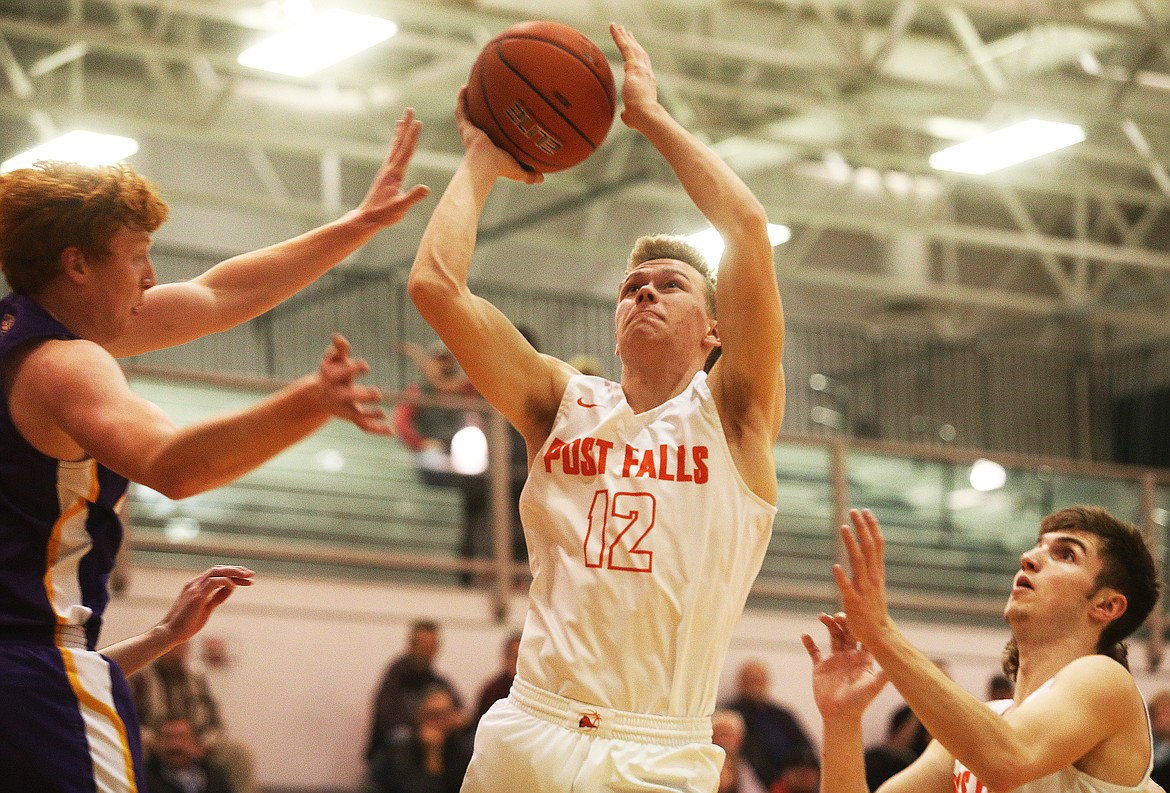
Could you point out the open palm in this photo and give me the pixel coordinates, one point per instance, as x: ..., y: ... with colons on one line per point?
x: 847, y: 680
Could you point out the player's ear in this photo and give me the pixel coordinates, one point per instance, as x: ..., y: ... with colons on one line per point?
x: 713, y: 332
x: 73, y: 263
x: 1108, y: 605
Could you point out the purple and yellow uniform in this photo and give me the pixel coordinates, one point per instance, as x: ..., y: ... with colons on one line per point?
x: 67, y: 720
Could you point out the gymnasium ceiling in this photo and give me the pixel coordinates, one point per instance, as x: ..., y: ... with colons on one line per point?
x: 829, y: 109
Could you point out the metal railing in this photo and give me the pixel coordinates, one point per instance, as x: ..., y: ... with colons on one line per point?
x: 952, y: 549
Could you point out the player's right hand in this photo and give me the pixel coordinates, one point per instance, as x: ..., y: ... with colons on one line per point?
x: 478, y: 145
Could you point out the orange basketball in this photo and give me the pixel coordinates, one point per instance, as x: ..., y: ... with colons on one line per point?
x: 544, y: 93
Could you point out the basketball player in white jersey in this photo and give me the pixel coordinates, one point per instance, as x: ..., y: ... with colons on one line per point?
x: 649, y: 502
x: 1077, y: 723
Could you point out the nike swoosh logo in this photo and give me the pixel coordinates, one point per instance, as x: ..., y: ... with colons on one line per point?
x: 584, y: 404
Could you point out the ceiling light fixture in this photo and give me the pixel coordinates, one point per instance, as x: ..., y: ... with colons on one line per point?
x: 711, y: 245
x: 1008, y: 146
x: 324, y: 40
x: 987, y: 475
x: 87, y: 148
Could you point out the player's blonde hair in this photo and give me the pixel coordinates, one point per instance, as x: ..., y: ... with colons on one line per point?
x: 54, y: 205
x: 672, y: 246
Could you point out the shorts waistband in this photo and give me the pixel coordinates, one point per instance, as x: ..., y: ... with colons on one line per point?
x: 607, y: 722
x: 73, y: 636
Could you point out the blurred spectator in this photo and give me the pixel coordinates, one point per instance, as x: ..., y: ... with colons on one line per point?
x: 773, y: 737
x: 178, y: 763
x: 921, y: 738
x: 430, y: 433
x: 403, y: 683
x: 887, y: 758
x: 1159, y: 706
x: 801, y: 775
x: 171, y: 687
x: 737, y: 776
x: 426, y: 429
x: 999, y: 687
x: 498, y: 687
x: 430, y: 757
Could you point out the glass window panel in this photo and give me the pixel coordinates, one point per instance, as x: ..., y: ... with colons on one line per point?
x: 1123, y: 498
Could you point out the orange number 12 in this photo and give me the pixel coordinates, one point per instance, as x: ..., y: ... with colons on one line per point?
x: 617, y: 527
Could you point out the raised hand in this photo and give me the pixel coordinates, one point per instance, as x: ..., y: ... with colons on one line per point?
x: 385, y: 203
x: 863, y: 594
x: 640, y: 87
x: 343, y: 397
x: 845, y: 682
x: 199, y: 597
x: 477, y: 143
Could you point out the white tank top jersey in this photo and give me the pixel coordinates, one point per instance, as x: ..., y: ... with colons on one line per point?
x: 644, y: 541
x: 1066, y: 780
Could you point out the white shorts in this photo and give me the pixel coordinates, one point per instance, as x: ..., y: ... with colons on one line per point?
x: 538, y: 742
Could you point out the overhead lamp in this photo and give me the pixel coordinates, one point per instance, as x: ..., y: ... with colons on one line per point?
x: 323, y: 40
x: 469, y: 451
x: 711, y: 245
x: 1008, y: 146
x: 987, y: 475
x: 87, y: 148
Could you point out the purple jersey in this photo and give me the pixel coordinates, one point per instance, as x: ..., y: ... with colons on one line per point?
x: 59, y: 529
x: 67, y: 721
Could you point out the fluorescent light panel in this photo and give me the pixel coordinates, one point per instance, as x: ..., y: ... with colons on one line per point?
x: 322, y: 41
x: 1008, y: 146
x: 87, y: 148
x: 711, y: 245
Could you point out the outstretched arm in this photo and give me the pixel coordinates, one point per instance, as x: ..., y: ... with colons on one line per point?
x: 747, y: 380
x: 506, y: 370
x: 844, y: 684
x: 70, y: 399
x: 1090, y: 699
x: 199, y: 597
x: 246, y: 286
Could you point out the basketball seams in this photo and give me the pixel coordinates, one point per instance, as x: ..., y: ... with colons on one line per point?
x: 611, y: 97
x: 536, y: 91
x: 483, y: 92
x: 531, y: 69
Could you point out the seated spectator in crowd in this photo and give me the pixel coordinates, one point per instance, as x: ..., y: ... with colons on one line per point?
x: 1159, y: 707
x: 802, y: 774
x: 178, y: 762
x: 883, y: 760
x: 171, y: 687
x: 430, y: 757
x: 404, y: 682
x: 921, y: 737
x: 498, y: 687
x: 737, y: 776
x: 773, y: 737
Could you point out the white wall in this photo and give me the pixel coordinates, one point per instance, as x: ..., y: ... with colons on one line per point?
x: 308, y: 654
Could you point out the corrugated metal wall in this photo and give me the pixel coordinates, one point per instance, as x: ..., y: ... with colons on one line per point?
x: 840, y: 381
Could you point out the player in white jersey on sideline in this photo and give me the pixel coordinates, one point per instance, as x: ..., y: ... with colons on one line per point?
x: 650, y: 503
x: 1077, y: 724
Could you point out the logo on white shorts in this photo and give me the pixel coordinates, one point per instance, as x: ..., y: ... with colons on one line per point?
x: 590, y: 720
